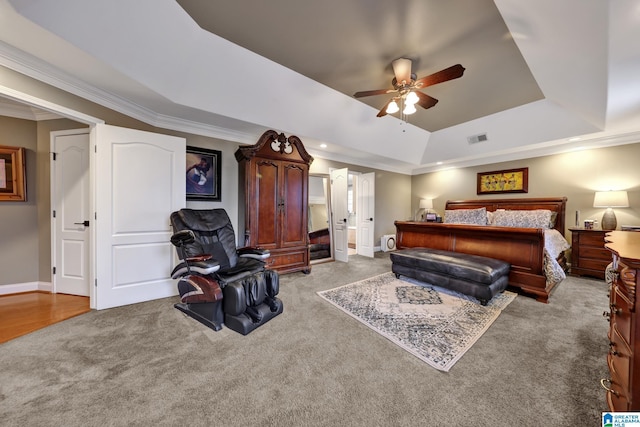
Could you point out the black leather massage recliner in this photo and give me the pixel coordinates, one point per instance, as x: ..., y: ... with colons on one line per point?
x: 219, y: 283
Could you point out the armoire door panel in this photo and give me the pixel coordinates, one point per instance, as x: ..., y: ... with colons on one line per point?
x: 294, y: 232
x: 266, y: 213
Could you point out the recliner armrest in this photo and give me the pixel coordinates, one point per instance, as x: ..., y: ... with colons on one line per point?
x: 202, y: 268
x: 251, y: 252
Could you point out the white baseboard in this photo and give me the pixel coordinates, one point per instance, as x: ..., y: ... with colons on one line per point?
x: 25, y: 287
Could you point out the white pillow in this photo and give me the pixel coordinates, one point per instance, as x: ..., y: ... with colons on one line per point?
x: 539, y: 218
x: 466, y: 216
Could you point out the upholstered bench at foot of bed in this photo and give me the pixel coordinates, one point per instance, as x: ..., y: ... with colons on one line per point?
x: 477, y: 276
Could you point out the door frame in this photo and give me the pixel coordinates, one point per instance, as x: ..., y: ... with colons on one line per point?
x: 79, y: 117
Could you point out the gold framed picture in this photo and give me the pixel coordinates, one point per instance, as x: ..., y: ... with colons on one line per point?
x: 506, y: 181
x: 12, y: 179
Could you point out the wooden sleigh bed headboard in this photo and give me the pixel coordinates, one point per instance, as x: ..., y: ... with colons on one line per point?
x: 554, y: 204
x: 523, y: 248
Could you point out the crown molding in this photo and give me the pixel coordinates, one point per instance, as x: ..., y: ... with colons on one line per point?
x: 24, y: 63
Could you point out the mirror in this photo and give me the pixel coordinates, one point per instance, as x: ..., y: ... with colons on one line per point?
x: 320, y: 247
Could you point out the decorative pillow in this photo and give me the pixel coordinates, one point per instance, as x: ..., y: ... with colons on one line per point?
x: 540, y: 218
x: 466, y: 216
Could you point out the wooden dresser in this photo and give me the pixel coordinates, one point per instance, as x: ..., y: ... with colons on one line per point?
x: 589, y: 257
x: 274, y: 181
x: 623, y: 384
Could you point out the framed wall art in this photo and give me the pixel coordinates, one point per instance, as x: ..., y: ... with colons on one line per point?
x: 204, y: 174
x: 12, y: 178
x: 506, y: 181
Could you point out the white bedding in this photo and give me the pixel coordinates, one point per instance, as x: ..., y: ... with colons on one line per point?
x: 554, y: 245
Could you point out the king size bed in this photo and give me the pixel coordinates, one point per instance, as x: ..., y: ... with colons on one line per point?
x: 527, y: 233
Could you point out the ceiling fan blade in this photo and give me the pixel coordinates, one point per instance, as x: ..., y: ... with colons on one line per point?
x: 453, y: 72
x: 424, y: 100
x: 402, y: 70
x: 383, y: 112
x: 372, y: 92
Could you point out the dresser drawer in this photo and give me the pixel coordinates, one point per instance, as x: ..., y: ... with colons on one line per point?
x: 617, y: 401
x: 621, y: 315
x: 592, y: 264
x: 592, y: 239
x: 288, y: 260
x: 595, y: 253
x: 619, y: 360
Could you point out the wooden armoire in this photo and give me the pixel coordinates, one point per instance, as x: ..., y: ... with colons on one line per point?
x: 274, y: 181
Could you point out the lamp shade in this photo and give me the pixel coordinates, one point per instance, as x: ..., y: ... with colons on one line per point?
x: 611, y: 199
x: 426, y: 203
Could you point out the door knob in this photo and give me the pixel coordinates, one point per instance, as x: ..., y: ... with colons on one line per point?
x: 344, y: 220
x: 370, y: 219
x: 85, y: 223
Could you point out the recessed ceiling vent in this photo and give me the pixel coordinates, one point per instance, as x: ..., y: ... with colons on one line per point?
x: 477, y: 138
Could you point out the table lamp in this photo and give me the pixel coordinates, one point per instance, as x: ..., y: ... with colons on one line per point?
x: 424, y: 204
x: 609, y: 200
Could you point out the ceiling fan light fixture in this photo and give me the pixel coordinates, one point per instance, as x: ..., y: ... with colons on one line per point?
x: 411, y: 98
x: 409, y: 109
x: 402, y: 70
x: 392, y: 107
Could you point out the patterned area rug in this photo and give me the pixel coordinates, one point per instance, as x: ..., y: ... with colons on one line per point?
x: 434, y: 324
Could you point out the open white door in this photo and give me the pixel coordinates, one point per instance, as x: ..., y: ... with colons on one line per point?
x: 139, y: 181
x: 366, y: 204
x: 71, y: 212
x: 340, y: 213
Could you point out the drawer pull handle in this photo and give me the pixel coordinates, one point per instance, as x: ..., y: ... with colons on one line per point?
x: 614, y: 310
x: 609, y: 389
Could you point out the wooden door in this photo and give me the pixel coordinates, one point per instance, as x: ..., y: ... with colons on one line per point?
x: 140, y: 180
x: 72, y: 217
x: 265, y: 214
x: 294, y: 205
x: 339, y: 214
x: 365, y: 214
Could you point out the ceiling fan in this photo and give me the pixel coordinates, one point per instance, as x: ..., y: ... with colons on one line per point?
x: 407, y: 87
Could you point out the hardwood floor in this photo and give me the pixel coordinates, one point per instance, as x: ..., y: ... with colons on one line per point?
x: 23, y: 313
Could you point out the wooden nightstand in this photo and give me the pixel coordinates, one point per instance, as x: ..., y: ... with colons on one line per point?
x: 588, y: 254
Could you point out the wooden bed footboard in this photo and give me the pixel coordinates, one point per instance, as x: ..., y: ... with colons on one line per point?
x: 523, y: 248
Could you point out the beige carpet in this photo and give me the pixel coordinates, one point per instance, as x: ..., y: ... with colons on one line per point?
x: 436, y: 325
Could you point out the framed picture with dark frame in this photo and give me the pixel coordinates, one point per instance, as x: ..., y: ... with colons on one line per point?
x: 204, y: 173
x: 12, y: 178
x: 506, y: 181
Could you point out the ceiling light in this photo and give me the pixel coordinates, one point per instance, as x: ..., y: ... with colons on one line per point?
x: 323, y: 145
x: 411, y: 98
x: 393, y: 107
x: 409, y: 109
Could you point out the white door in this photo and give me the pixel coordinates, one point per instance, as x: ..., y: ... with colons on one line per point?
x: 366, y: 204
x: 139, y: 181
x: 71, y: 212
x: 340, y: 213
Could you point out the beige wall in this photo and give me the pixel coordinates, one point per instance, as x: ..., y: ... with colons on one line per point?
x: 19, y: 252
x: 576, y: 175
x: 393, y: 194
x: 25, y: 227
